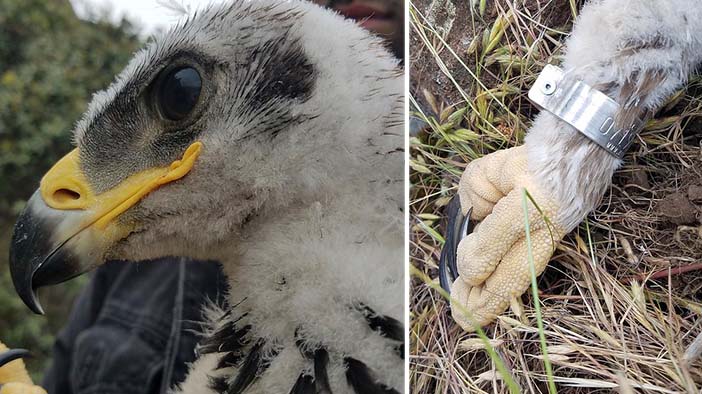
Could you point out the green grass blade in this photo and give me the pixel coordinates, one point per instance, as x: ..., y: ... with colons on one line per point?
x: 535, y: 295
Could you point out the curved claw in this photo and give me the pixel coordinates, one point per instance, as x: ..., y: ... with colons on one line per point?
x: 12, y: 355
x: 457, y: 228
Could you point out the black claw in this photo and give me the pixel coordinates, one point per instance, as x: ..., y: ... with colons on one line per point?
x: 457, y: 227
x: 12, y: 355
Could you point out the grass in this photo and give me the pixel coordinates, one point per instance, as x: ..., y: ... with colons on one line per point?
x: 619, y: 308
x: 499, y: 364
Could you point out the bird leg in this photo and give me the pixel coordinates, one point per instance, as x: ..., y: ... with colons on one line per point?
x: 636, y: 52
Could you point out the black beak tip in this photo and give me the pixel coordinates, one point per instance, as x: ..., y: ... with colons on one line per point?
x: 27, y: 251
x: 23, y: 281
x: 22, y: 278
x: 32, y: 301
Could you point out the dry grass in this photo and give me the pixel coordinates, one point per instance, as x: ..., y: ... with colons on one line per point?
x: 622, y: 298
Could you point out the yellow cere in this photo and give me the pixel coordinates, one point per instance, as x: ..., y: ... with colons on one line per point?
x: 65, y: 187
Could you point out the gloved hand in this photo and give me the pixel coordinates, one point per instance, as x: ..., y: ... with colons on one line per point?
x: 492, y: 260
x: 14, y: 378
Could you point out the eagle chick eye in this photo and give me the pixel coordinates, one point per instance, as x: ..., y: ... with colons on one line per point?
x: 178, y: 93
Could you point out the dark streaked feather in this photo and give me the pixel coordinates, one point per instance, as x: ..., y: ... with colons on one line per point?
x: 250, y: 370
x: 321, y: 379
x: 321, y: 360
x: 634, y: 92
x: 230, y: 341
x: 361, y: 379
x: 227, y: 339
x: 386, y: 325
x: 219, y: 384
x: 303, y: 385
x: 400, y: 350
x: 231, y: 359
x: 300, y: 343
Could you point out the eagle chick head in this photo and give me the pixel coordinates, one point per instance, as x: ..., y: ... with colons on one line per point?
x: 244, y: 110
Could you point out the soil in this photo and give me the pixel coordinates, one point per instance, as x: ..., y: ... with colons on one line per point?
x: 659, y: 207
x: 694, y: 194
x: 679, y: 209
x: 454, y: 18
x: 424, y: 72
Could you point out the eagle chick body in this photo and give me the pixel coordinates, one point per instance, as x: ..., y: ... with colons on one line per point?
x: 312, y: 243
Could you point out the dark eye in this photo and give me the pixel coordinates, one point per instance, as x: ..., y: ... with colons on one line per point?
x: 178, y: 92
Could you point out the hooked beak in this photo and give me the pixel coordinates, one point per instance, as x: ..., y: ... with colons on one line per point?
x: 66, y: 227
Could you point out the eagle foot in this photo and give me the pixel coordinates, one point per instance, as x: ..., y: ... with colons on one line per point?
x: 492, y: 262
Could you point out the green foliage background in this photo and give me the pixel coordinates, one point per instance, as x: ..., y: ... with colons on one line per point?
x: 50, y: 64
